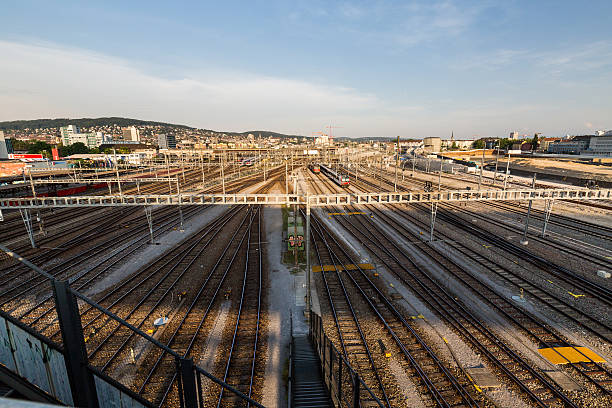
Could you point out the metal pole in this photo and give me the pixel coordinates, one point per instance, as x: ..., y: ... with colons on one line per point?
x: 222, y: 159
x: 356, y: 385
x: 169, y: 182
x: 440, y: 176
x: 507, y: 169
x: 286, y: 179
x: 307, y: 255
x: 380, y: 173
x: 295, y: 240
x: 117, y: 170
x: 188, y: 382
x: 481, y: 165
x: 434, y: 211
x: 549, y: 206
x: 524, y: 241
x: 81, y: 379
x: 182, y: 166
x: 396, y: 163
x: 202, y: 167
x: 178, y: 191
x: 496, y: 161
x: 149, y: 215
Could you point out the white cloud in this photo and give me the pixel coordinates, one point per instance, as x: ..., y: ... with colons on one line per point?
x: 42, y: 80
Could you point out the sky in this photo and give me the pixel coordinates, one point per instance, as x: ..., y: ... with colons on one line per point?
x: 368, y: 68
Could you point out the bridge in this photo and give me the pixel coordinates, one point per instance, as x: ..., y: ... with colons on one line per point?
x: 316, y: 200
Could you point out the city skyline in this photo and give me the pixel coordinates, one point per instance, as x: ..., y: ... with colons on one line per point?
x: 375, y: 68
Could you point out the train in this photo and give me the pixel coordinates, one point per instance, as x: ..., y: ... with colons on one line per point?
x: 249, y: 161
x: 315, y: 168
x: 340, y: 179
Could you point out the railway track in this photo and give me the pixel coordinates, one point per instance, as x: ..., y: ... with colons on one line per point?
x: 510, y: 364
x: 439, y: 385
x: 542, y: 335
x: 576, y: 281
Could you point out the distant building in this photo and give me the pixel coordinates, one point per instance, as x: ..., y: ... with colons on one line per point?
x: 6, y: 146
x: 544, y: 142
x: 575, y: 145
x: 601, y: 145
x: 432, y: 144
x: 491, y: 142
x: 131, y: 133
x: 166, y: 141
x: 322, y: 140
x: 70, y: 135
x: 514, y: 135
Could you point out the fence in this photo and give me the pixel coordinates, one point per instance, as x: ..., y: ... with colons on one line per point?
x: 64, y: 373
x: 345, y: 387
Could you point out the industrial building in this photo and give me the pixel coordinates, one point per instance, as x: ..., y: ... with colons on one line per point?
x: 6, y: 147
x: 71, y: 134
x: 166, y: 141
x: 131, y: 133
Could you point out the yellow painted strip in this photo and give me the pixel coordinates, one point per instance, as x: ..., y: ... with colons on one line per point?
x: 347, y: 213
x: 575, y: 295
x: 347, y: 267
x: 473, y: 383
x: 444, y: 338
x: 549, y: 281
x: 561, y: 355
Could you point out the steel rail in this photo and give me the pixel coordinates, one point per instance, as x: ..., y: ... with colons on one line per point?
x: 245, y: 277
x: 558, y: 271
x: 540, y: 293
x: 435, y: 393
x: 214, y: 229
x: 447, y: 303
x: 332, y: 303
x: 211, y: 301
x: 538, y: 333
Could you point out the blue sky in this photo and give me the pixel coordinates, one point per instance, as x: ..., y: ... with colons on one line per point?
x: 375, y: 68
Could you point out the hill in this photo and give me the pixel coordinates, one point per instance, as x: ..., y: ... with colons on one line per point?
x: 83, y: 122
x: 20, y: 125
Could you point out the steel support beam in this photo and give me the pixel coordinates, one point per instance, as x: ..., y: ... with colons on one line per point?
x: 27, y: 220
x: 188, y: 389
x: 307, y: 257
x: 80, y: 377
x: 149, y: 215
x: 343, y: 199
x: 434, y: 212
x: 549, y: 206
x: 524, y: 241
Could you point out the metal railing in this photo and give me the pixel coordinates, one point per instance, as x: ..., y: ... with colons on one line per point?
x: 88, y: 385
x: 345, y: 386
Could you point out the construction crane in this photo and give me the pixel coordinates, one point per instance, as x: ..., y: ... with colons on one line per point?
x: 331, y: 127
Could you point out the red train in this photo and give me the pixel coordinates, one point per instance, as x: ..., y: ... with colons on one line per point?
x: 315, y: 168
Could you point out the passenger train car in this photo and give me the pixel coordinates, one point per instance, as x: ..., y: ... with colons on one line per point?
x: 340, y: 179
x: 315, y: 168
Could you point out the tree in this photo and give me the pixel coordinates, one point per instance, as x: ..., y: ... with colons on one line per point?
x: 38, y: 147
x: 478, y: 144
x: 535, y: 142
x: 79, y: 148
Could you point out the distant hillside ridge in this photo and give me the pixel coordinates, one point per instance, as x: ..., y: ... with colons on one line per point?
x: 83, y: 122
x: 122, y: 122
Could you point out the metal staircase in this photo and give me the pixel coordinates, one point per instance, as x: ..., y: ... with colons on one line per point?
x: 307, y: 386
